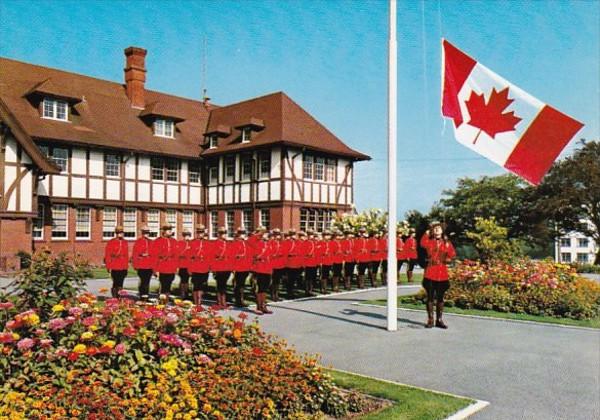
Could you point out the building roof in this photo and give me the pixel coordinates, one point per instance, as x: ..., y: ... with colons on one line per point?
x: 102, y: 115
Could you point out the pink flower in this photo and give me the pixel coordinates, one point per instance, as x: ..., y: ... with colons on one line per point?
x: 45, y: 343
x: 13, y: 324
x: 25, y: 344
x: 62, y: 352
x: 120, y: 348
x: 123, y: 293
x: 171, y: 318
x: 75, y: 311
x: 6, y: 337
x: 6, y: 305
x: 57, y: 324
x: 70, y: 319
x: 129, y: 331
x: 88, y: 321
x: 162, y: 352
x: 204, y: 358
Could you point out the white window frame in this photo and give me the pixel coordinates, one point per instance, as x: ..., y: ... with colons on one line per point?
x: 262, y: 158
x: 214, y: 223
x: 246, y: 163
x: 248, y: 220
x: 213, y: 141
x: 64, y: 208
x: 171, y: 219
x: 37, y: 229
x: 53, y: 108
x: 583, y: 242
x: 112, y: 165
x: 319, y: 173
x: 330, y: 170
x: 229, y: 164
x: 171, y: 167
x: 86, y: 212
x: 308, y: 166
x: 563, y: 244
x: 154, y: 168
x: 213, y: 175
x: 265, y: 218
x: 56, y: 160
x: 246, y: 134
x: 164, y: 128
x: 194, y: 168
x: 565, y: 257
x: 229, y: 223
x: 187, y: 221
x: 153, y: 222
x: 130, y: 224
x: 109, y: 224
x: 583, y: 258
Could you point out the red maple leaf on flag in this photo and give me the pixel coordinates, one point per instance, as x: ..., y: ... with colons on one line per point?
x: 491, y: 117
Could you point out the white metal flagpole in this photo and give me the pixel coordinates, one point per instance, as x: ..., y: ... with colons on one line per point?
x: 392, y: 273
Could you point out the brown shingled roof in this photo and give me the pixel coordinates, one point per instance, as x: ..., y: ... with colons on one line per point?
x: 105, y: 118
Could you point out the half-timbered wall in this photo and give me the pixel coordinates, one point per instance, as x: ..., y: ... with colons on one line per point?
x: 18, y: 179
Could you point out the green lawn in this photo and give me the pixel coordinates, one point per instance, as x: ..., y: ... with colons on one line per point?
x: 408, y: 402
x: 591, y: 323
x: 101, y: 273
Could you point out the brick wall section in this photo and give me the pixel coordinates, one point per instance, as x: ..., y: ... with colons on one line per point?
x: 13, y: 238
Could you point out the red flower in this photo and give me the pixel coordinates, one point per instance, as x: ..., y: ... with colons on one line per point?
x: 92, y: 351
x: 258, y: 352
x: 73, y: 356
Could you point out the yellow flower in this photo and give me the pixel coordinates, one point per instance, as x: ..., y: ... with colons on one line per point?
x: 170, y: 367
x: 207, y: 408
x: 31, y: 319
x: 58, y: 308
x: 80, y: 348
x: 87, y: 335
x: 93, y: 327
x: 109, y: 343
x: 15, y: 336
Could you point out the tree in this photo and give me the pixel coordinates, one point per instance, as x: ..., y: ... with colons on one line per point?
x: 492, y: 242
x: 569, y: 196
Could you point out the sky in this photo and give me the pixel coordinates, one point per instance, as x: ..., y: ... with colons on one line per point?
x: 330, y: 56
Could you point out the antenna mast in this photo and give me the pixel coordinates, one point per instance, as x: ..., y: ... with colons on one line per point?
x: 205, y: 98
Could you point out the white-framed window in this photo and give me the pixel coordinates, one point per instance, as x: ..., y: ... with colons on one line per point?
x: 172, y: 166
x: 229, y: 218
x: 130, y: 223
x: 60, y: 221
x: 109, y: 222
x: 55, y: 109
x: 246, y: 134
x: 565, y: 242
x: 82, y: 223
x: 112, y: 164
x: 265, y: 218
x: 229, y: 169
x: 171, y: 219
x: 248, y: 220
x: 264, y: 165
x: 38, y: 224
x: 582, y: 258
x: 307, y: 167
x: 583, y: 242
x: 246, y: 168
x: 214, y: 223
x: 213, y: 175
x: 316, y: 219
x: 213, y: 141
x: 60, y: 156
x: 330, y: 171
x: 153, y: 222
x: 319, y: 168
x: 164, y: 128
x: 187, y: 221
x: 194, y: 172
x: 157, y: 166
x: 565, y: 257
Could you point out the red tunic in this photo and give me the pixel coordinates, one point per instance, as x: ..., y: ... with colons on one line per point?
x: 399, y: 248
x: 242, y: 255
x: 279, y: 257
x: 338, y: 254
x: 262, y: 260
x: 410, y: 249
x: 360, y: 250
x: 321, y: 252
x: 165, y: 252
x: 439, y: 253
x: 222, y: 255
x: 346, y: 246
x: 184, y: 253
x: 294, y: 249
x: 330, y: 250
x: 142, y: 254
x: 200, y: 254
x: 383, y: 248
x: 373, y: 249
x: 309, y: 249
x: 116, y: 254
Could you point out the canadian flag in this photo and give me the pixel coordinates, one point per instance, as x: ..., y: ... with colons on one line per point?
x: 499, y: 120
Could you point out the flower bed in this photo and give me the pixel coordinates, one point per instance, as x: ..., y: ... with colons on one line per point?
x: 118, y: 359
x: 527, y: 286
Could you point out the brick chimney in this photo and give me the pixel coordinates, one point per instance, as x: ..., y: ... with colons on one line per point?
x: 135, y: 75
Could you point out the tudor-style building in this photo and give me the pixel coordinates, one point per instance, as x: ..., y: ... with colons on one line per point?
x: 79, y: 155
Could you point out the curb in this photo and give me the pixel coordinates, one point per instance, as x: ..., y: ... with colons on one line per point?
x: 348, y: 292
x: 469, y: 410
x: 490, y: 318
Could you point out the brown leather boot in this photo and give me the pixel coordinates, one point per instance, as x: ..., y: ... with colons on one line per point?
x: 429, y: 306
x: 336, y: 284
x: 347, y: 285
x: 324, y: 290
x: 184, y: 290
x: 439, y: 311
x: 361, y: 282
x: 264, y: 308
x: 409, y: 276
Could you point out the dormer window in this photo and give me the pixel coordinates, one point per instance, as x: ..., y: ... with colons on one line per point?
x: 55, y: 109
x: 246, y: 134
x: 213, y: 142
x: 164, y: 128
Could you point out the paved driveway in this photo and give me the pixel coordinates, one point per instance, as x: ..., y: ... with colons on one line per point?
x: 526, y: 371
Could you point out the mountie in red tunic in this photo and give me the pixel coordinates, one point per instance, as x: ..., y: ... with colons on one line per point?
x: 360, y: 250
x: 279, y: 256
x: 142, y: 254
x: 346, y: 249
x: 165, y: 252
x: 383, y: 248
x: 116, y: 254
x: 409, y: 251
x: 336, y: 247
x: 373, y: 248
x: 200, y: 256
x: 294, y: 249
x: 222, y: 255
x: 185, y: 248
x: 399, y: 248
x: 309, y: 249
x: 241, y: 252
x: 439, y: 253
x: 262, y: 261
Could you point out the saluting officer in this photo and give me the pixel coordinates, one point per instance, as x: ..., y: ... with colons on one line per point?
x: 278, y: 262
x: 184, y: 261
x: 116, y: 259
x: 263, y: 270
x: 361, y: 255
x: 295, y: 261
x: 143, y: 261
x: 199, y: 266
x: 309, y: 246
x: 221, y: 265
x: 165, y: 254
x: 242, y: 264
x: 349, y: 261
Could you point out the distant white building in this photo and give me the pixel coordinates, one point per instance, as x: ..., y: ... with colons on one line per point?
x: 575, y: 247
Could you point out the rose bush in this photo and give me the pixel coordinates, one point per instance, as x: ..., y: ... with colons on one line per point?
x: 524, y: 286
x: 119, y: 359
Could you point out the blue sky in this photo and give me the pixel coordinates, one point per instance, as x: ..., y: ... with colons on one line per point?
x: 330, y: 56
